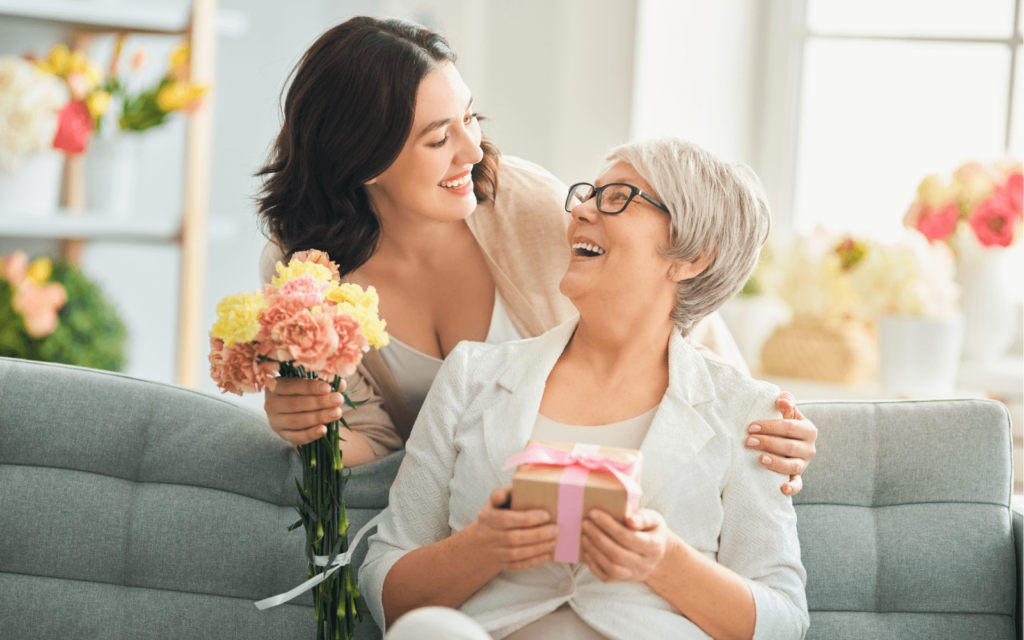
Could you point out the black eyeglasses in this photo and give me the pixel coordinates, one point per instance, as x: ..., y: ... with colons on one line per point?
x: 611, y: 198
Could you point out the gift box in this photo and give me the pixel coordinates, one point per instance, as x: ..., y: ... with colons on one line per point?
x: 568, y: 480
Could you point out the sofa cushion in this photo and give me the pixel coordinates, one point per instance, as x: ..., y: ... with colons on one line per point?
x: 132, y: 509
x: 904, y: 520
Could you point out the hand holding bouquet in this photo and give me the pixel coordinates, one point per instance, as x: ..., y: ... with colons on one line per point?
x: 305, y: 324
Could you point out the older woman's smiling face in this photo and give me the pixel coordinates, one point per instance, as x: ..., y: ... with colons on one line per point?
x: 630, y: 267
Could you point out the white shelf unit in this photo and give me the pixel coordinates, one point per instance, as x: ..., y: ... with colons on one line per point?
x: 197, y: 20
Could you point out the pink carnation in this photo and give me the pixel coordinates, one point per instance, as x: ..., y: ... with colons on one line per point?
x: 351, y: 346
x: 307, y: 339
x: 993, y: 220
x: 318, y: 257
x: 305, y: 289
x: 39, y: 306
x: 237, y: 368
x: 279, y: 308
x: 937, y: 224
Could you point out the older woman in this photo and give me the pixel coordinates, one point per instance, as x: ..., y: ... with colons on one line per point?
x: 666, y: 235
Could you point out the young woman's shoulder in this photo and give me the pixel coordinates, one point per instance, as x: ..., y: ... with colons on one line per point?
x: 529, y: 190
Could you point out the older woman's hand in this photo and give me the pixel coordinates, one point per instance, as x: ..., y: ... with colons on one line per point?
x: 298, y: 409
x: 514, y: 540
x: 624, y: 553
x: 788, y: 443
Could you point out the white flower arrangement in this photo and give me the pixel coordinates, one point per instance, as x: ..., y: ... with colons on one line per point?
x: 30, y: 101
x: 828, y: 278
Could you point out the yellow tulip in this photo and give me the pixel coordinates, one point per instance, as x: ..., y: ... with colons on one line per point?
x: 180, y: 62
x: 39, y: 271
x: 178, y: 95
x: 58, y: 60
x: 98, y: 102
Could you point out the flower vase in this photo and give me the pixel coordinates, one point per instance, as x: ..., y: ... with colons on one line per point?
x: 111, y: 174
x: 920, y: 356
x: 989, y: 312
x: 33, y: 189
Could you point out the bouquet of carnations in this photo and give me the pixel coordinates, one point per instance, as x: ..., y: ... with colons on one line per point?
x: 980, y: 200
x: 306, y: 324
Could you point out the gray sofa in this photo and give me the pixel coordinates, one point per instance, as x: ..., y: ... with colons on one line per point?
x: 131, y: 509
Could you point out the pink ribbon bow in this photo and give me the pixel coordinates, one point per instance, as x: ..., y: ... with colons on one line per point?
x: 578, y: 464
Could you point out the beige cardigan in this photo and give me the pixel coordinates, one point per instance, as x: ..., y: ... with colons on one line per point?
x: 523, y: 238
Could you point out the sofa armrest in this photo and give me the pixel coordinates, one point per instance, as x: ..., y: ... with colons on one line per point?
x: 1017, y: 513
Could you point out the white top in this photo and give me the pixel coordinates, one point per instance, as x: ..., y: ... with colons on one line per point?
x: 627, y: 434
x: 698, y: 475
x: 564, y: 623
x: 414, y: 371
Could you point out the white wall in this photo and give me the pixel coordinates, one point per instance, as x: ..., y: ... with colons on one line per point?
x: 696, y: 74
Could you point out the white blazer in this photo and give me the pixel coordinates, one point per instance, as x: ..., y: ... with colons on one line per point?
x: 697, y: 473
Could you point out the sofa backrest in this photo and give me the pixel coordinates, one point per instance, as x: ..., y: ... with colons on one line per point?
x: 133, y: 509
x: 904, y: 521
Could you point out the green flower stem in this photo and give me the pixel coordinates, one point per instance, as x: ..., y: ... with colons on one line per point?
x: 325, y: 521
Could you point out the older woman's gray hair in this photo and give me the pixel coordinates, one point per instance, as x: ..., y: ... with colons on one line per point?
x: 716, y: 207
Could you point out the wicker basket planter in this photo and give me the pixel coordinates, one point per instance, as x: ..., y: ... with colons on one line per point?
x: 843, y: 352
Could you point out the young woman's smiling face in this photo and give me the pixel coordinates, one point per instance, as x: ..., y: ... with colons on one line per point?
x: 432, y: 175
x: 629, y: 267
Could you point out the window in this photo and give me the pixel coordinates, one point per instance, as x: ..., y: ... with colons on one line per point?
x: 885, y: 92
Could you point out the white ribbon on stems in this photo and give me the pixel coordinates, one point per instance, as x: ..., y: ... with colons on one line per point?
x: 340, y: 561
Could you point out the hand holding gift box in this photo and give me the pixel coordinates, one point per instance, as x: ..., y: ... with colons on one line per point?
x: 568, y: 480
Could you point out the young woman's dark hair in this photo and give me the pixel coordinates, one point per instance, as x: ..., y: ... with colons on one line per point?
x: 347, y: 115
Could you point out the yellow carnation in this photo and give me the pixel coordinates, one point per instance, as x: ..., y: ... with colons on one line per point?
x: 39, y: 271
x: 298, y: 268
x: 361, y: 305
x: 238, y: 318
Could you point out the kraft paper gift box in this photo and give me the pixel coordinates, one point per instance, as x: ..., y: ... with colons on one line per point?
x: 568, y: 480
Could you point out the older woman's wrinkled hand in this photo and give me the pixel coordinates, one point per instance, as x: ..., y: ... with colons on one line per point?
x: 630, y: 552
x: 788, y: 443
x: 514, y: 540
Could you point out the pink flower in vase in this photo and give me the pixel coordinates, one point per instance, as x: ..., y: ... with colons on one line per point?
x: 935, y: 223
x: 993, y: 220
x: 1014, y: 190
x: 74, y: 126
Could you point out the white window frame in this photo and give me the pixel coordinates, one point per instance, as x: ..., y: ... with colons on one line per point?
x: 785, y: 36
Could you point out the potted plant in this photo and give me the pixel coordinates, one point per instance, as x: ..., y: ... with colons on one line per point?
x: 54, y: 313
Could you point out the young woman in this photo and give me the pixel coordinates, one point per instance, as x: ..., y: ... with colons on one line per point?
x: 713, y: 550
x: 381, y: 163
